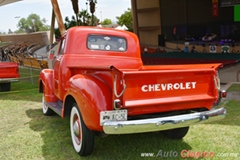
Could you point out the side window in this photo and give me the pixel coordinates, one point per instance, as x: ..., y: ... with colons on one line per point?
x: 62, y: 47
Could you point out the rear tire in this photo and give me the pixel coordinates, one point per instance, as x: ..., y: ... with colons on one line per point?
x: 82, y: 137
x: 177, y: 133
x: 46, y: 110
x: 5, y: 87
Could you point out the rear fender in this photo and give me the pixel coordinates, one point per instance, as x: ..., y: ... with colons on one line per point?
x: 92, y: 96
x: 46, y: 85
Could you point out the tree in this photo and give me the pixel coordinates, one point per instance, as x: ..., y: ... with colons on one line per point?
x: 70, y: 23
x: 10, y: 31
x: 95, y: 21
x: 106, y: 21
x: 84, y: 18
x: 32, y: 23
x: 92, y: 10
x: 76, y: 9
x: 126, y: 19
x: 57, y: 33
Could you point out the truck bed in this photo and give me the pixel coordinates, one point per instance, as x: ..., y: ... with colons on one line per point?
x: 154, y: 89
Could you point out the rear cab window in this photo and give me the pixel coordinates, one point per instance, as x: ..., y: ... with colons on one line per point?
x: 106, y: 43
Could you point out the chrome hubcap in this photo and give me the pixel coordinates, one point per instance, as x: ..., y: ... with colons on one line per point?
x: 45, y: 106
x: 76, y: 128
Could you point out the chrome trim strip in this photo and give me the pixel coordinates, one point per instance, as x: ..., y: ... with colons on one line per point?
x: 115, y: 87
x: 163, y: 123
x: 5, y: 80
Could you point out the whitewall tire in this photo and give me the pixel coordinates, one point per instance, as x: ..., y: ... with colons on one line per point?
x: 46, y: 110
x: 82, y: 137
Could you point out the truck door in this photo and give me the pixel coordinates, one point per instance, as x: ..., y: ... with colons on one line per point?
x: 56, y: 67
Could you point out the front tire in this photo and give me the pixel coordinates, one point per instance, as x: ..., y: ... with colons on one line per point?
x: 46, y: 110
x: 82, y: 137
x: 177, y: 133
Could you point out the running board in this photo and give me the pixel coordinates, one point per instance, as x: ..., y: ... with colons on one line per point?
x: 55, y: 106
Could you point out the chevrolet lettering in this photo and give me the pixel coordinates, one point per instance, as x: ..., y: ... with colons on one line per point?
x: 168, y: 86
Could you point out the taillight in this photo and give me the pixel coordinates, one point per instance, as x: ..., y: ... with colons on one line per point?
x: 117, y: 104
x: 223, y: 94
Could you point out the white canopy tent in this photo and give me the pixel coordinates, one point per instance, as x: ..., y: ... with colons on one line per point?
x: 5, y: 2
x: 121, y: 27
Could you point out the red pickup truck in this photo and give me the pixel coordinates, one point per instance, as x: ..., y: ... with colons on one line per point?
x: 8, y: 73
x: 99, y: 81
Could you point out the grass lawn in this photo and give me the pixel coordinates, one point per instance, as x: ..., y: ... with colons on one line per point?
x: 25, y: 133
x: 4, y: 44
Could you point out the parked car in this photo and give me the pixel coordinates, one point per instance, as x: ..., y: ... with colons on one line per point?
x: 8, y: 73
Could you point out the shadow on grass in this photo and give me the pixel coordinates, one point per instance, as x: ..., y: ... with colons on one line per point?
x: 56, y: 138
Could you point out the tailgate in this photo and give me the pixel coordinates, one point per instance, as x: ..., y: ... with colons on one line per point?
x: 9, y: 70
x: 190, y: 88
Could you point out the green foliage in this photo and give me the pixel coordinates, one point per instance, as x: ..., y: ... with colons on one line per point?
x: 70, y: 23
x: 84, y: 18
x: 33, y: 23
x: 57, y: 33
x: 106, y: 21
x: 95, y: 20
x: 126, y: 19
x: 3, y: 44
x: 234, y: 87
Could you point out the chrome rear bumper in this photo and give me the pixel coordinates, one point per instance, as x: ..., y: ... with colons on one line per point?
x: 6, y: 80
x: 163, y: 123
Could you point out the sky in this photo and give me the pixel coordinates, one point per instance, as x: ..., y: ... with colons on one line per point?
x: 10, y: 14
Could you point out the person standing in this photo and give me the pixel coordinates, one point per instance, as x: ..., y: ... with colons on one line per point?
x: 193, y: 50
x: 3, y: 54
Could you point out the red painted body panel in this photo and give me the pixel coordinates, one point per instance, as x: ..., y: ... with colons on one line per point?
x: 46, y: 77
x: 9, y: 70
x: 92, y: 95
x: 166, y: 90
x: 88, y: 76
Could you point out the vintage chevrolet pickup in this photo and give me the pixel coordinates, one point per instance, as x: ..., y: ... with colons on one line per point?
x: 8, y: 73
x: 98, y: 80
